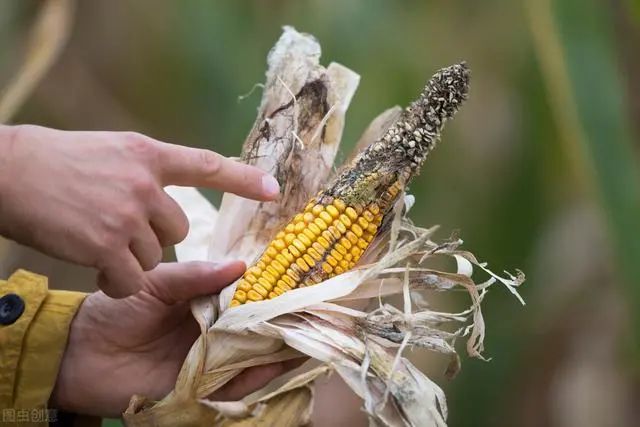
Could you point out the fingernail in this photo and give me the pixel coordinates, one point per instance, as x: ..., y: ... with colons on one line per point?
x: 270, y: 186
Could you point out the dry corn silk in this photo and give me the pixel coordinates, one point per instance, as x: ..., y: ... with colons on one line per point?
x: 325, y: 259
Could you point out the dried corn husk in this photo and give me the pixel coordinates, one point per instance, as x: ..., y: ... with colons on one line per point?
x: 295, y: 137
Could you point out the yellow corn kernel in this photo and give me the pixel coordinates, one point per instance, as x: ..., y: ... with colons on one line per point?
x: 324, y: 242
x: 341, y: 249
x: 340, y: 226
x: 352, y: 237
x: 279, y: 244
x: 332, y: 261
x: 368, y: 216
x: 234, y: 303
x: 333, y: 211
x: 320, y: 223
x: 250, y: 278
x: 282, y: 288
x: 327, y: 268
x: 317, y: 209
x: 299, y: 227
x: 278, y: 267
x: 260, y: 289
x: 326, y: 217
x: 266, y: 284
x: 309, y: 234
x: 288, y: 281
x: 344, y: 264
x: 261, y: 265
x: 351, y: 213
x: 314, y: 229
x: 298, y: 218
x: 374, y: 209
x: 255, y: 271
x: 318, y: 247
x: 334, y: 232
x: 363, y: 244
x: 337, y: 255
x: 307, y: 258
x: 292, y: 274
x: 344, y: 219
x: 272, y: 271
x: 289, y: 228
x: 314, y: 254
x: 339, y: 204
x: 294, y: 250
x: 338, y: 270
x: 287, y: 256
x: 346, y: 243
x: 356, y: 252
x: 254, y: 296
x: 372, y: 228
x: 268, y: 277
x: 303, y: 265
x: 272, y: 295
x: 357, y: 230
x: 328, y: 236
x: 243, y: 285
x: 240, y: 295
x: 308, y: 218
x: 271, y: 251
x: 363, y: 222
x: 278, y: 291
x: 305, y: 241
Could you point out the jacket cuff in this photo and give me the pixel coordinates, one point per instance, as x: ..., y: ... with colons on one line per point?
x: 34, y: 328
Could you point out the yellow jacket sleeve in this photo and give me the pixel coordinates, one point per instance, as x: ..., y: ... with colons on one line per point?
x: 34, y: 327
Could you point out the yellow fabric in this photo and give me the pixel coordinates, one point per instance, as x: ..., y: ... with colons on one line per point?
x: 31, y: 348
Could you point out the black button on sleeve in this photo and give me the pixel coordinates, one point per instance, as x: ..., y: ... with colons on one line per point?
x: 11, y: 308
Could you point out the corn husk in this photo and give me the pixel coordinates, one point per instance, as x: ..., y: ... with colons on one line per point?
x: 296, y: 136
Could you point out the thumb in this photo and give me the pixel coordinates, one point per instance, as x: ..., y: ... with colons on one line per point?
x: 176, y: 282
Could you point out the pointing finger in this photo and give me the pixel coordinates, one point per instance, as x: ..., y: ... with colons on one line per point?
x: 204, y: 168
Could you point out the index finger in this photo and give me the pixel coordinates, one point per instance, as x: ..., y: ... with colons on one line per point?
x: 196, y: 167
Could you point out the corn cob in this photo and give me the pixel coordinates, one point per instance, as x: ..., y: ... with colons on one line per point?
x: 338, y: 225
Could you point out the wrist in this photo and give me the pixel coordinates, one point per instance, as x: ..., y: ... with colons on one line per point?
x: 62, y: 395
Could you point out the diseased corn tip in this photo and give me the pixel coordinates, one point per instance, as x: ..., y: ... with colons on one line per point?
x: 319, y: 243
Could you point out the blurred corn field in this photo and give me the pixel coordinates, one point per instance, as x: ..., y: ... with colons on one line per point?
x: 540, y: 171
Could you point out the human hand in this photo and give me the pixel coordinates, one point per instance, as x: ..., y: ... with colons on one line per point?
x: 97, y: 198
x: 136, y: 345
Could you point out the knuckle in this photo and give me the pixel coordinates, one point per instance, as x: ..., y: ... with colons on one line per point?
x: 138, y: 144
x: 143, y: 186
x: 211, y: 162
x: 128, y: 218
x: 107, y: 243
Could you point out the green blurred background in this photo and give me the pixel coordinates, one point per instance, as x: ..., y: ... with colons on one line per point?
x: 538, y: 172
